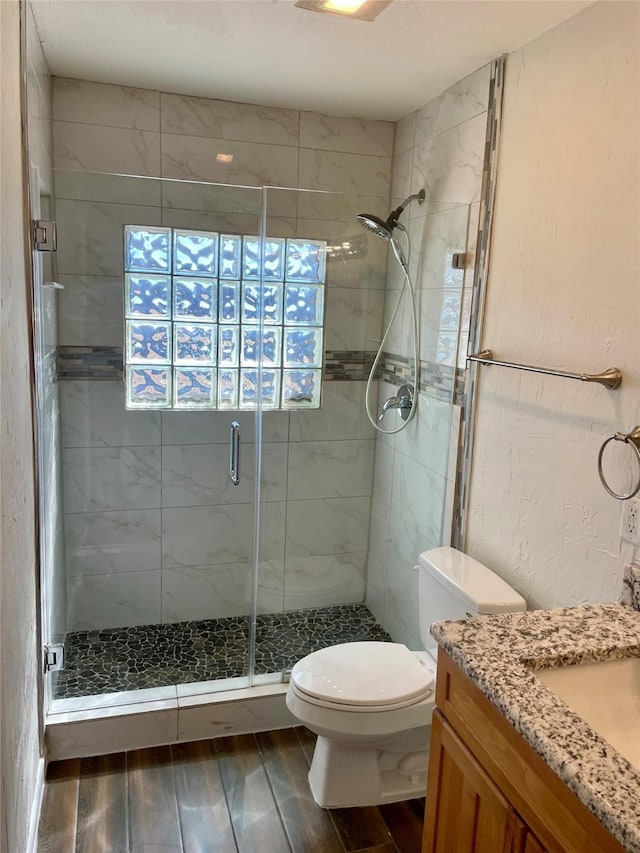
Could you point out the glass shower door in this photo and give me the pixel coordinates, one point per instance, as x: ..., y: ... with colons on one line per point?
x: 160, y: 286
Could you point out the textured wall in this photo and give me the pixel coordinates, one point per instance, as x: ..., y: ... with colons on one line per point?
x: 563, y: 291
x: 20, y: 657
x: 177, y: 546
x: 439, y: 148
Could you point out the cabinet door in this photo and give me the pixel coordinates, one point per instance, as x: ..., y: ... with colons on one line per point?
x: 465, y: 813
x: 521, y: 839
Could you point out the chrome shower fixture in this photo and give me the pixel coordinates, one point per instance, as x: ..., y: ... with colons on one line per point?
x: 384, y: 227
x: 406, y: 400
x: 403, y: 402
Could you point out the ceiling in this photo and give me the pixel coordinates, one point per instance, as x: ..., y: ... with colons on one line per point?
x: 270, y: 52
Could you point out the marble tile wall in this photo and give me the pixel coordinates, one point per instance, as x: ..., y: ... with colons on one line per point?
x: 439, y: 147
x: 154, y: 532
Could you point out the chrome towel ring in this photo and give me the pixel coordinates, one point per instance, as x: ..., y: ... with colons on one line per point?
x: 633, y: 439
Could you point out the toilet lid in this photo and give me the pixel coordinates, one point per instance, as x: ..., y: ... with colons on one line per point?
x: 365, y: 674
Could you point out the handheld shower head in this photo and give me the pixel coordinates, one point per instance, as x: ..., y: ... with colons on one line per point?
x: 384, y: 227
x: 375, y: 224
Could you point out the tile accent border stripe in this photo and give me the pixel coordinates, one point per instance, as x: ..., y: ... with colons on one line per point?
x: 480, y: 273
x: 90, y: 362
x: 340, y: 365
x: 436, y: 380
x: 441, y: 381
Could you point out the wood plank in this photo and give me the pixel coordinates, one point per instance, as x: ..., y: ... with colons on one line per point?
x: 360, y: 828
x: 153, y: 809
x: 102, y: 805
x: 254, y: 813
x: 404, y: 821
x: 553, y: 812
x: 202, y: 806
x: 57, y: 828
x: 307, y: 742
x: 309, y: 828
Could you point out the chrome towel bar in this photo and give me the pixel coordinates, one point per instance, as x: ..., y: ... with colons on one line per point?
x: 610, y: 378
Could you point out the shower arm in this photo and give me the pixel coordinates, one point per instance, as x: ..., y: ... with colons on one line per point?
x: 419, y: 196
x: 393, y: 217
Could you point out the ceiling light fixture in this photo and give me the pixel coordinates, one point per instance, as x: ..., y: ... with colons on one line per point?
x: 224, y: 158
x: 348, y: 7
x: 360, y: 10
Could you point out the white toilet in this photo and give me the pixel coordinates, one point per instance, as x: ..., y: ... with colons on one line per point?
x: 371, y: 703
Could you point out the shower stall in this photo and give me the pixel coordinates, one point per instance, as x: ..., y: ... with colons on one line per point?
x: 220, y: 479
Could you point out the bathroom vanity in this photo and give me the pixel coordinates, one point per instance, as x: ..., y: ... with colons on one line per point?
x: 513, y: 767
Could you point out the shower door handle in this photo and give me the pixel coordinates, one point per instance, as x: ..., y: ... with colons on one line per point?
x: 234, y: 453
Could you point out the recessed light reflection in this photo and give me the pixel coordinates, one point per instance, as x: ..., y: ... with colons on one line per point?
x: 347, y: 7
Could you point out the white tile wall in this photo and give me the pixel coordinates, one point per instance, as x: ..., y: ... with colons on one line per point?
x: 193, y: 158
x: 90, y: 311
x: 93, y: 415
x: 359, y: 174
x: 339, y: 418
x: 116, y: 189
x: 212, y: 535
x: 332, y: 579
x: 90, y: 240
x: 96, y: 148
x: 449, y: 166
x: 458, y: 104
x: 212, y: 592
x: 114, y: 541
x: 120, y: 598
x: 329, y: 526
x: 440, y: 148
x: 330, y: 469
x: 102, y: 104
x: 197, y: 475
x: 109, y: 478
x: 187, y: 116
x: 340, y: 133
x: 147, y: 494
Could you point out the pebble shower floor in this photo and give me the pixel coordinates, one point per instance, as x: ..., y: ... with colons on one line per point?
x: 116, y: 659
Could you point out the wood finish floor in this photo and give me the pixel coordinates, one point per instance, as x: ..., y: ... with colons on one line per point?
x: 241, y: 794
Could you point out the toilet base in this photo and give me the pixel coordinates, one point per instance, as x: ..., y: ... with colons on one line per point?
x: 343, y: 775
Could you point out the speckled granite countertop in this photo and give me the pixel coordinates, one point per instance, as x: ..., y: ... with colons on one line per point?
x: 501, y: 653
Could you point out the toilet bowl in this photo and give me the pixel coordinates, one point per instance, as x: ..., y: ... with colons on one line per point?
x: 370, y: 703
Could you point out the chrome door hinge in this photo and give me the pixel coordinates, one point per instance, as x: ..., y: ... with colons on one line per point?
x: 45, y: 235
x: 53, y: 657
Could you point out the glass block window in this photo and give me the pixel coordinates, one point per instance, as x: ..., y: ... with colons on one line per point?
x: 199, y: 313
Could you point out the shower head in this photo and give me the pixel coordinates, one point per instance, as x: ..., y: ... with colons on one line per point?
x: 375, y: 224
x: 384, y: 227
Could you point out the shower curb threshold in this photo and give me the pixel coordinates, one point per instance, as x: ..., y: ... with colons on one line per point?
x: 121, y: 721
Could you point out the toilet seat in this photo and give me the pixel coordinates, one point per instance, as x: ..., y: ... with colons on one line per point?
x: 363, y: 677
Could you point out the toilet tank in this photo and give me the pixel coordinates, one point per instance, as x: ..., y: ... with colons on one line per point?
x: 452, y: 585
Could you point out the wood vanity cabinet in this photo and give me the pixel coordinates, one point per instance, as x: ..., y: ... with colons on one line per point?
x: 488, y: 791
